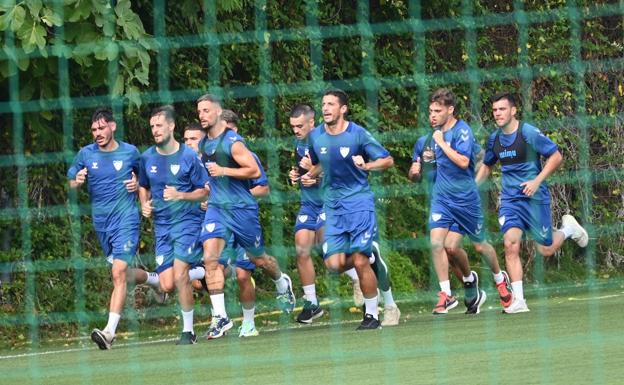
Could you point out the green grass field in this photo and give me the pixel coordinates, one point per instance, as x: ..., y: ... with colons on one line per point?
x: 575, y: 339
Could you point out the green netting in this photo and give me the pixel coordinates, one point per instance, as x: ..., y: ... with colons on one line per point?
x: 566, y: 64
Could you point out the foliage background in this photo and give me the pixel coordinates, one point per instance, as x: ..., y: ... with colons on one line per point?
x: 60, y: 60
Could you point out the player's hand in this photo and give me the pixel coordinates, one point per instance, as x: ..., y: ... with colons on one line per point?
x: 146, y: 209
x: 438, y: 137
x: 307, y: 180
x: 131, y: 184
x: 81, y: 176
x: 207, y: 187
x: 358, y: 161
x: 306, y: 162
x: 215, y: 170
x: 530, y: 187
x: 171, y: 194
x: 414, y: 171
x: 428, y: 155
x: 204, y: 205
x: 293, y: 175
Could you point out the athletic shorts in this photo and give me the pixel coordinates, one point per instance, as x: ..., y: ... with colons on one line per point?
x: 529, y: 216
x: 310, y: 218
x: 234, y: 253
x: 349, y: 233
x: 466, y: 220
x: 177, y: 241
x: 121, y: 243
x: 243, y: 224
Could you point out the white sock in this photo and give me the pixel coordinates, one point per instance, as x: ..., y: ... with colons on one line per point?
x: 498, y: 278
x: 218, y: 305
x: 445, y: 286
x: 309, y: 292
x: 567, y: 231
x: 371, y: 306
x: 197, y: 272
x: 187, y: 319
x: 153, y: 279
x: 248, y: 314
x: 351, y: 273
x: 469, y: 278
x: 113, y: 321
x: 387, y: 298
x: 281, y: 284
x: 517, y: 289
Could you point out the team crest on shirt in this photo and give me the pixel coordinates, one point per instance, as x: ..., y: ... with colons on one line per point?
x: 323, y: 150
x: 344, y: 151
x: 436, y: 217
x: 325, y: 248
x: 322, y: 216
x: 94, y: 166
x: 174, y: 168
x: 109, y: 259
x: 210, y: 227
x: 117, y: 164
x: 153, y: 170
x: 303, y: 218
x: 501, y: 220
x: 160, y: 259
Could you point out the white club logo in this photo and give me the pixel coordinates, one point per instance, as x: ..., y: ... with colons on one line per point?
x: 94, y: 166
x: 160, y: 259
x: 118, y: 164
x: 344, y: 151
x: 501, y: 220
x: 325, y: 248
x: 303, y: 218
x: 174, y: 168
x: 323, y: 150
x: 322, y: 216
x: 436, y: 217
x: 210, y: 227
x: 153, y: 170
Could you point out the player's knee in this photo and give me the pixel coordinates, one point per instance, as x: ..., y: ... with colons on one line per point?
x: 545, y: 251
x: 360, y: 261
x: 118, y: 276
x: 181, y: 278
x: 333, y: 265
x: 511, y: 245
x: 302, y: 252
x: 437, y: 247
x: 451, y: 250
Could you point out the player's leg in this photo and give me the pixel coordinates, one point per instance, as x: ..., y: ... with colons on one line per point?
x: 247, y: 299
x: 446, y: 301
x: 549, y: 242
x: 185, y: 296
x: 392, y: 314
x: 512, y: 239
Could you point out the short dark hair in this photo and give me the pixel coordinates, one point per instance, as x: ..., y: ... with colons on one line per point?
x: 505, y: 95
x: 167, y: 110
x: 209, y: 98
x: 302, y: 109
x: 444, y: 96
x: 230, y: 117
x: 102, y: 113
x: 194, y: 127
x: 342, y: 96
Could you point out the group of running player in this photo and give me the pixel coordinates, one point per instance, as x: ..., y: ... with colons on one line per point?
x: 201, y: 196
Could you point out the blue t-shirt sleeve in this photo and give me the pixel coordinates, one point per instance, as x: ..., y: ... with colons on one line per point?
x: 143, y: 179
x: 418, y: 149
x: 372, y: 148
x: 490, y: 157
x: 136, y: 162
x: 262, y: 180
x: 464, y: 141
x: 540, y: 142
x: 198, y: 173
x: 77, y: 165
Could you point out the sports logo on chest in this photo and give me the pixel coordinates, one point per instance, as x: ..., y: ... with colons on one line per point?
x: 323, y: 150
x: 174, y: 168
x: 344, y: 151
x: 507, y: 154
x: 118, y: 164
x: 94, y: 165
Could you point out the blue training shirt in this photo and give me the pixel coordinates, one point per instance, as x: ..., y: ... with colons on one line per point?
x: 182, y: 170
x: 346, y: 188
x: 453, y: 184
x: 520, y: 159
x: 112, y: 206
x: 262, y: 180
x: 428, y: 169
x: 226, y: 192
x: 313, y: 195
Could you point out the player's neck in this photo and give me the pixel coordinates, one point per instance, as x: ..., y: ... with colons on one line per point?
x: 112, y: 145
x: 338, y: 128
x: 216, y: 130
x: 168, y: 148
x: 511, y: 127
x: 450, y: 123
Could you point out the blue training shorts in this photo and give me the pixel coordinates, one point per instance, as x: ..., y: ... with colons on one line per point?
x: 465, y: 220
x: 120, y: 243
x: 233, y: 252
x: 349, y: 233
x: 177, y: 241
x: 310, y: 217
x: 243, y: 224
x: 528, y: 215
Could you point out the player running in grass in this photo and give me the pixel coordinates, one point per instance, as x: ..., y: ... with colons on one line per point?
x: 456, y: 207
x: 525, y: 199
x: 232, y: 211
x: 109, y: 169
x: 345, y: 152
x: 172, y: 181
x: 310, y: 220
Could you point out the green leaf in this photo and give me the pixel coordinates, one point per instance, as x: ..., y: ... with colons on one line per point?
x: 34, y: 6
x: 118, y: 87
x: 51, y: 18
x: 14, y: 19
x: 32, y: 35
x: 23, y: 64
x: 134, y: 96
x: 80, y: 11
